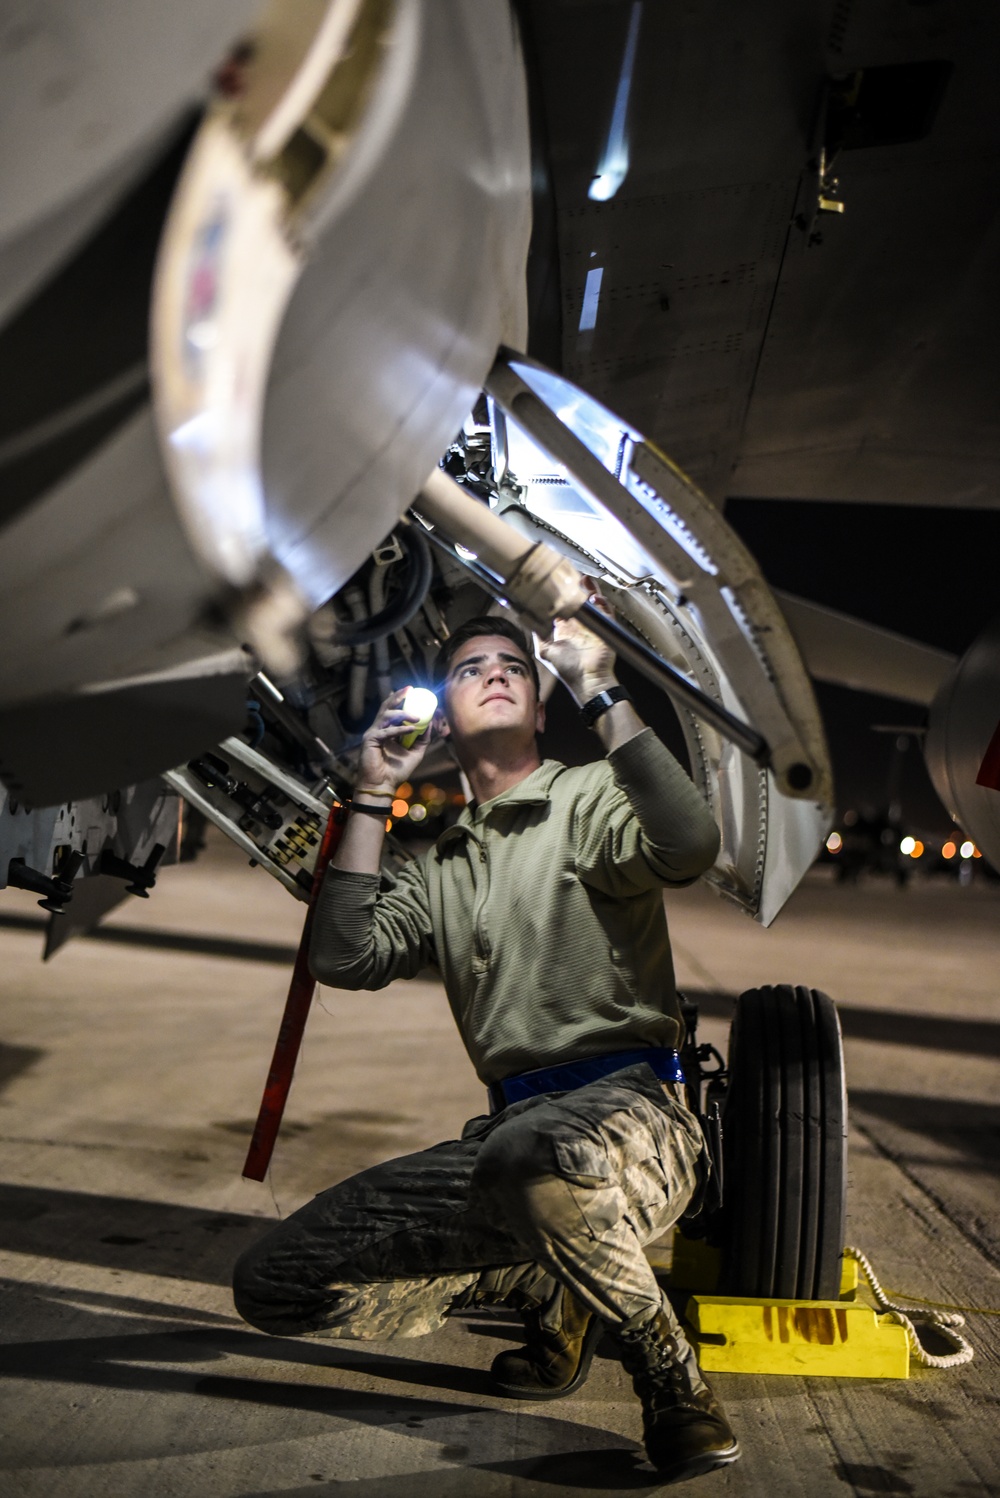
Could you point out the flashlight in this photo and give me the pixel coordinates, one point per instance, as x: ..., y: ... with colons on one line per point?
x: 423, y: 705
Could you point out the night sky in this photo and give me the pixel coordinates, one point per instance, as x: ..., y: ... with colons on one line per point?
x: 928, y: 573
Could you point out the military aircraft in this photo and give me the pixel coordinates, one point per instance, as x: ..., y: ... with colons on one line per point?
x: 605, y: 263
x: 327, y: 325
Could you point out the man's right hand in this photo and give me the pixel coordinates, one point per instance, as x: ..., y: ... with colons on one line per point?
x: 384, y: 763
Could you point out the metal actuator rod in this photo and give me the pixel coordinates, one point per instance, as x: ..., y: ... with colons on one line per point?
x: 542, y: 585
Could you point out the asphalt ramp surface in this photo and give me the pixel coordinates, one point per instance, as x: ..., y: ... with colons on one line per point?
x: 130, y: 1072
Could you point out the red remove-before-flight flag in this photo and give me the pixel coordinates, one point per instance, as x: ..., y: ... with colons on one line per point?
x: 989, y: 770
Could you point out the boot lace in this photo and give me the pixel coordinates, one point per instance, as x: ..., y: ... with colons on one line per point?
x: 658, y: 1374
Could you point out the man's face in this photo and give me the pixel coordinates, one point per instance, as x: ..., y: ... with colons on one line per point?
x: 490, y: 690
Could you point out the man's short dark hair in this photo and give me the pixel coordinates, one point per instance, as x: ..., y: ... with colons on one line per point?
x: 473, y: 629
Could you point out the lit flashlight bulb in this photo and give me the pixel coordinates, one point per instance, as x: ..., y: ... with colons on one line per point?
x: 420, y: 703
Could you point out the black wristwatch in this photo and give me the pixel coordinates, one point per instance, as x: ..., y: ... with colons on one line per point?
x: 382, y: 812
x: 592, y: 710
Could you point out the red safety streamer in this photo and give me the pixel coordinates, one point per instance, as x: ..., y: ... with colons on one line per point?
x: 293, y: 1021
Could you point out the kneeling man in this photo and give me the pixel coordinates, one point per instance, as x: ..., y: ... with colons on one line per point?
x: 543, y: 909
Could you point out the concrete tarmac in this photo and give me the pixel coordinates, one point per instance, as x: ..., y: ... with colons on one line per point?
x: 130, y: 1073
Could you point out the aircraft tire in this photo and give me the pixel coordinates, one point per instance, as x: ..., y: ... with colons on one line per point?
x: 785, y: 1147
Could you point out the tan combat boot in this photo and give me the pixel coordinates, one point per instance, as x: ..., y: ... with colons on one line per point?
x: 561, y: 1337
x: 685, y: 1432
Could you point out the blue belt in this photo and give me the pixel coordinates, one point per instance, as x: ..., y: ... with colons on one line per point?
x: 571, y: 1074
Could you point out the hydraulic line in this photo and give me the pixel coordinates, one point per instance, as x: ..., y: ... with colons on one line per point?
x: 400, y: 610
x: 357, y: 685
x: 380, y: 647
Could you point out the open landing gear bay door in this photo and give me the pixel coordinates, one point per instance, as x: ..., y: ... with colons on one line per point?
x: 568, y: 472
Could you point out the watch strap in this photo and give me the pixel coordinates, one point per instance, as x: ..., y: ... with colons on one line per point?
x: 592, y: 710
x: 382, y: 812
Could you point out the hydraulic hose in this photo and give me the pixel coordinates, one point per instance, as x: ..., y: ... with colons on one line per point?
x: 402, y: 609
x: 380, y: 648
x: 360, y: 657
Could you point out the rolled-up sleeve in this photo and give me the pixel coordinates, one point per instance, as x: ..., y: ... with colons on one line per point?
x: 365, y: 935
x: 652, y: 827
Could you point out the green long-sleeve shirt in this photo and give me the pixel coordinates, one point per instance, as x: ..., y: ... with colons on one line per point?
x: 543, y: 909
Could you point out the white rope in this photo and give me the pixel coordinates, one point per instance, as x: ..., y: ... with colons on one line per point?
x: 943, y: 1322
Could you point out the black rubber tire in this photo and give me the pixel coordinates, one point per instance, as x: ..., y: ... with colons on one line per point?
x: 785, y: 1147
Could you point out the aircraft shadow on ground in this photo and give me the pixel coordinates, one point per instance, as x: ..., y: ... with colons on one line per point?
x: 595, y: 1470
x: 967, y: 1127
x: 16, y: 1059
x: 238, y: 948
x: 931, y: 1032
x: 116, y: 1232
x: 171, y: 1361
x: 935, y: 1032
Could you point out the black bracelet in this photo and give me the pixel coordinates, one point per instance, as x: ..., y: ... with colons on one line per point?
x: 592, y: 710
x: 382, y: 812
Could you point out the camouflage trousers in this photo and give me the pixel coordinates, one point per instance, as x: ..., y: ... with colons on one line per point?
x: 557, y: 1191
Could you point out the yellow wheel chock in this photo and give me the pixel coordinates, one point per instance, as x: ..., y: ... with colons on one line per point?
x: 842, y: 1338
x: 825, y: 1338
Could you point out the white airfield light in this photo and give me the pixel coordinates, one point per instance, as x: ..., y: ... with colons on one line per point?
x: 967, y: 849
x: 421, y: 703
x: 907, y: 846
